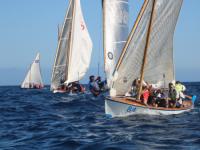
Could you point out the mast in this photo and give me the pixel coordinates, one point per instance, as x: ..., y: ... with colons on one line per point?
x: 30, y: 77
x: 71, y: 40
x: 98, y: 69
x: 132, y: 33
x: 104, y: 31
x: 145, y: 50
x: 40, y: 71
x: 58, y: 32
x: 98, y: 64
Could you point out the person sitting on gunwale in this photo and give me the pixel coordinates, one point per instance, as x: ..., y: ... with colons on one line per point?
x: 172, y: 95
x: 132, y: 91
x: 180, y: 88
x: 77, y: 87
x: 99, y: 82
x: 161, y: 98
x: 93, y: 86
x: 102, y: 84
x: 145, y: 95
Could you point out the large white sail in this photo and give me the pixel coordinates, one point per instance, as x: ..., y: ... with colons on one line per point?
x: 115, y: 14
x: 81, y: 47
x: 159, y: 67
x: 33, y: 77
x: 59, y: 74
x: 74, y: 48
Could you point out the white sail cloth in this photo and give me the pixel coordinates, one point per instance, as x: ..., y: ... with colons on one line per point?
x: 81, y: 47
x: 74, y: 48
x: 33, y: 76
x: 59, y: 73
x: 116, y: 13
x: 159, y: 67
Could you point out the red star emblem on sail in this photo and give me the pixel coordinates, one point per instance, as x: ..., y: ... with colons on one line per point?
x: 82, y: 26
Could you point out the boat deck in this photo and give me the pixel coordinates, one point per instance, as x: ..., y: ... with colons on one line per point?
x: 133, y: 101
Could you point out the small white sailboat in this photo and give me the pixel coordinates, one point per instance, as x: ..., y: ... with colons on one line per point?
x: 74, y: 49
x: 147, y: 55
x: 33, y: 78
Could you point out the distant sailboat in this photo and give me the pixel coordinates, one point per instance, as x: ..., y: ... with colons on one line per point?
x: 74, y: 49
x: 33, y: 78
x: 147, y: 55
x: 115, y: 33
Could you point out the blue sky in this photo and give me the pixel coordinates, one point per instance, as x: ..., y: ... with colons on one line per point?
x: 30, y: 26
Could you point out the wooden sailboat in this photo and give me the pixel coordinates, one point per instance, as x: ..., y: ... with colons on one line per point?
x: 74, y: 49
x: 33, y: 78
x: 147, y: 55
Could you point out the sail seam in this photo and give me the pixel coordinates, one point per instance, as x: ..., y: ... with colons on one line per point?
x: 59, y: 44
x: 131, y: 34
x: 117, y: 2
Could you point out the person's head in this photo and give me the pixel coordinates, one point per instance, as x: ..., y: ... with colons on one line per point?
x: 178, y: 82
x: 98, y: 78
x: 171, y: 85
x: 91, y: 78
x: 158, y: 91
x: 150, y: 86
x: 145, y: 88
x: 134, y: 82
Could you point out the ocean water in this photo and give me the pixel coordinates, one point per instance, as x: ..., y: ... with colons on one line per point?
x: 38, y: 119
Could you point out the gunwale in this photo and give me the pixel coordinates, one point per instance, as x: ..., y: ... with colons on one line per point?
x: 135, y: 102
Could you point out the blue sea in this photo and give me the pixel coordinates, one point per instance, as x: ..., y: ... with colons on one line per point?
x: 38, y: 119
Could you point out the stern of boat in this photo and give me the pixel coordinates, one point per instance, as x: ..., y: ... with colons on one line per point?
x: 122, y: 107
x: 117, y: 109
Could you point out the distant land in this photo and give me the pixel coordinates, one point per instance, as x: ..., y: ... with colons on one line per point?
x: 14, y: 76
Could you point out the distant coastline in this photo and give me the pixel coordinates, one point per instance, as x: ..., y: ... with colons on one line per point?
x: 14, y: 76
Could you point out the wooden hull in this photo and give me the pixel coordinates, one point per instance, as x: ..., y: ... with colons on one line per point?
x: 123, y: 106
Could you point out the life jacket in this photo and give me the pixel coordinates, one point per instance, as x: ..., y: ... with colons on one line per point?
x: 145, y: 95
x: 179, y: 87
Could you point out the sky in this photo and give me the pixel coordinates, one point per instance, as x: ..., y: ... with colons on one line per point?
x: 30, y: 26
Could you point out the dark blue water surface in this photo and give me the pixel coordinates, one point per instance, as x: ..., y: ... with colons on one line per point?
x: 38, y: 119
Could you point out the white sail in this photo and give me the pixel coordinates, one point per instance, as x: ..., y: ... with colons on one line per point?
x: 59, y: 74
x: 159, y: 66
x: 33, y: 77
x: 115, y: 14
x: 81, y: 47
x: 74, y: 48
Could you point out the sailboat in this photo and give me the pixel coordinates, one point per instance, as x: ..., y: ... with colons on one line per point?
x: 73, y: 51
x: 147, y: 55
x: 115, y: 33
x: 33, y: 78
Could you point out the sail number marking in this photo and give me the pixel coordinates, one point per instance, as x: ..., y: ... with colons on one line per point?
x: 131, y: 109
x: 110, y: 55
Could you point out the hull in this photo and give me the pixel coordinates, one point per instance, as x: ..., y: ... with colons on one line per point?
x: 30, y: 88
x: 59, y: 91
x: 63, y: 91
x: 36, y: 87
x: 123, y: 107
